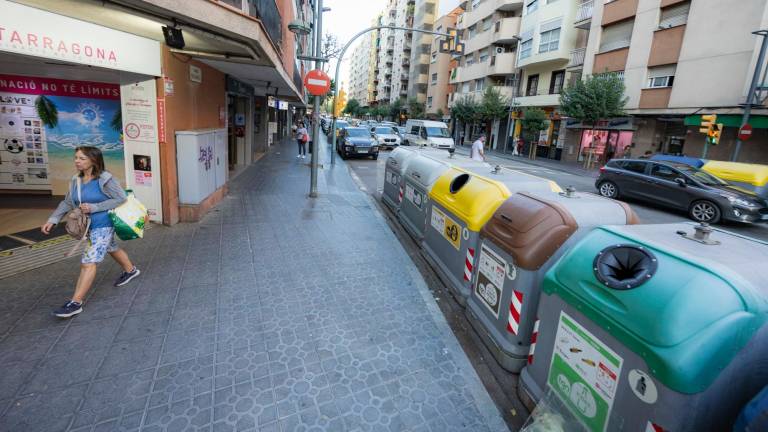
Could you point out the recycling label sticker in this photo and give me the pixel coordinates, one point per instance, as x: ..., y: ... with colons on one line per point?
x: 491, y: 271
x: 414, y: 196
x: 447, y: 227
x: 584, y: 373
x: 394, y: 179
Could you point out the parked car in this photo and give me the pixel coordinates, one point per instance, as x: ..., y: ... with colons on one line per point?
x: 386, y: 136
x: 427, y: 133
x: 400, y: 131
x: 340, y: 125
x: 704, y: 197
x: 357, y: 141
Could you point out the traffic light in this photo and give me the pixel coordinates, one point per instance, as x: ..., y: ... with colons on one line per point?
x: 715, y: 133
x: 451, y: 44
x: 707, y: 123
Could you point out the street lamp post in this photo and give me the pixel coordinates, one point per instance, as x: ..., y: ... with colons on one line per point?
x: 338, y: 67
x: 512, y: 102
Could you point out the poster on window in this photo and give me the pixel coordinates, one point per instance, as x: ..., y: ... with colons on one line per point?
x: 43, y: 120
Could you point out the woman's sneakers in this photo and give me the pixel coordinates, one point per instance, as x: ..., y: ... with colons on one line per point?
x: 126, y: 277
x: 70, y: 308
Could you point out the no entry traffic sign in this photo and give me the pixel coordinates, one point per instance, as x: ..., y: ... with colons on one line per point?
x: 745, y: 132
x: 317, y: 82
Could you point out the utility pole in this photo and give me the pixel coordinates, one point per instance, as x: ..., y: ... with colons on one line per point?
x: 316, y: 107
x: 753, y: 87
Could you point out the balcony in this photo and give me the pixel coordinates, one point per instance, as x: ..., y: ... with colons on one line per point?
x: 666, y: 46
x: 506, y: 30
x: 584, y: 14
x: 506, y: 93
x: 541, y: 96
x: 611, y: 61
x: 618, y: 10
x: 502, y: 64
x: 478, y: 41
x: 577, y: 58
x: 264, y: 10
x: 485, y: 9
x: 655, y: 97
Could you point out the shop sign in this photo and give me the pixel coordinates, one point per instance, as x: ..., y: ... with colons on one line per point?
x: 239, y: 87
x: 34, y: 32
x: 195, y: 74
x: 283, y: 105
x: 168, y: 86
x: 161, y: 120
x: 270, y: 101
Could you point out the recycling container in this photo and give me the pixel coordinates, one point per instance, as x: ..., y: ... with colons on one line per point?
x: 752, y: 177
x: 653, y: 327
x: 523, y: 239
x: 461, y: 202
x: 394, y: 179
x: 694, y: 162
x: 420, y: 175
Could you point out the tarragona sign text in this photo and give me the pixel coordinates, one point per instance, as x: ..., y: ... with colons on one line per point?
x: 59, y: 47
x: 57, y: 87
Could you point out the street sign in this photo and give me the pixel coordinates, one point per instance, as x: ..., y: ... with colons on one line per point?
x: 745, y: 132
x: 317, y: 82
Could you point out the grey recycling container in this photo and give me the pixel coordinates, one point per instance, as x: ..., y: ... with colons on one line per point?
x: 653, y: 327
x: 523, y: 239
x: 394, y: 177
x: 420, y: 175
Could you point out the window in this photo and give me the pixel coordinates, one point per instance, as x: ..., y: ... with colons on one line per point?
x: 525, y: 49
x: 434, y: 57
x: 429, y: 101
x: 531, y: 6
x: 471, y: 31
x: 465, y: 87
x: 557, y: 81
x: 616, y: 36
x: 674, y: 16
x: 414, y: 130
x: 480, y: 84
x: 532, y: 86
x: 549, y: 41
x: 486, y: 24
x: 635, y: 167
x: 484, y: 55
x: 661, y: 76
x: 434, y: 78
x: 664, y: 172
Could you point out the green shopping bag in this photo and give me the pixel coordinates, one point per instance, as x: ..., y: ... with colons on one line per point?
x: 129, y: 218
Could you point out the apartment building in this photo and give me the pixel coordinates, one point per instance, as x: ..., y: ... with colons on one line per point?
x: 394, y: 52
x: 440, y: 67
x: 360, y: 68
x: 679, y: 59
x: 424, y: 19
x: 490, y: 31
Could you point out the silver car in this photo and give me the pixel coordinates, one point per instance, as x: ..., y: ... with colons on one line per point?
x: 386, y: 136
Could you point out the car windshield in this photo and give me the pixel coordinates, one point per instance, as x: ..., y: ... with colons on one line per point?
x: 702, y: 176
x: 357, y: 132
x: 384, y: 130
x: 439, y: 132
x: 401, y: 129
x: 341, y: 124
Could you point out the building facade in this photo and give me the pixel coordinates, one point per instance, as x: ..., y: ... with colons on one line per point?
x: 360, y: 70
x: 421, y: 48
x: 440, y: 67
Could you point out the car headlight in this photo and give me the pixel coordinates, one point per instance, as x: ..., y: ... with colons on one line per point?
x: 741, y: 202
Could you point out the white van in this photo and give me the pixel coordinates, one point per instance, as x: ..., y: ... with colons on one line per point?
x: 427, y: 133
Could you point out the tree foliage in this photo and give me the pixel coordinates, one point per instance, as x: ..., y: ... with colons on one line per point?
x: 440, y: 113
x: 395, y: 109
x: 493, y: 105
x: 415, y: 108
x: 353, y: 108
x: 465, y: 110
x: 330, y: 48
x: 596, y: 98
x: 534, y: 121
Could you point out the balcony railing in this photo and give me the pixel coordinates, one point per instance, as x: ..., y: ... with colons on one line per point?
x: 577, y: 57
x: 585, y: 10
x: 269, y: 14
x: 542, y: 91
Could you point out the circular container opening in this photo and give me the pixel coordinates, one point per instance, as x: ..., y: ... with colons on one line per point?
x: 459, y: 182
x: 624, y: 267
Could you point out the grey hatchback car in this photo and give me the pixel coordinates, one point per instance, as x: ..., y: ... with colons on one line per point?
x: 704, y: 197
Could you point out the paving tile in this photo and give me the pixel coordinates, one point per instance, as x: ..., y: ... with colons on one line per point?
x: 43, y: 412
x: 193, y: 414
x: 135, y: 355
x: 186, y: 344
x: 143, y: 325
x: 244, y: 406
x: 240, y: 365
x: 115, y: 401
x: 183, y: 380
x: 27, y: 347
x: 64, y: 370
x: 87, y: 336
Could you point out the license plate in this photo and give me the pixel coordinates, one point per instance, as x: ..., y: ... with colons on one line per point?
x: 362, y: 150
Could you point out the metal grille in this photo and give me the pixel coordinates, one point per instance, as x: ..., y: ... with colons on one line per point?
x: 267, y: 12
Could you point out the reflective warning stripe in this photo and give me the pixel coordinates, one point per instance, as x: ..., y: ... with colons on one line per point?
x: 468, y: 260
x: 400, y: 199
x: 534, y: 337
x: 515, y: 307
x: 653, y: 427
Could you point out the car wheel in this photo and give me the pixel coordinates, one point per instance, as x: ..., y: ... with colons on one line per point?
x: 608, y: 189
x: 375, y: 157
x: 705, y: 211
x: 406, y: 143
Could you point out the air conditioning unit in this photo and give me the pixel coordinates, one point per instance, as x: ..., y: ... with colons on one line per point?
x: 499, y: 50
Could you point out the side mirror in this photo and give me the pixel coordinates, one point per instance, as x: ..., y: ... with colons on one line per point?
x: 680, y: 181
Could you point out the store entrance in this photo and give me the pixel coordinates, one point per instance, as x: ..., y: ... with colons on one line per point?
x: 237, y: 144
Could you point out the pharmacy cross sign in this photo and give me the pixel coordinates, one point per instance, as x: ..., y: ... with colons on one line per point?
x: 317, y: 82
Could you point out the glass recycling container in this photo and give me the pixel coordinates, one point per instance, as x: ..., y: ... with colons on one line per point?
x: 420, y: 175
x: 653, y: 328
x: 394, y: 177
x: 523, y: 239
x: 461, y: 202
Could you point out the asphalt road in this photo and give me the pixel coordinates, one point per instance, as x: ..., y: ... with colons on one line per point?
x: 372, y: 174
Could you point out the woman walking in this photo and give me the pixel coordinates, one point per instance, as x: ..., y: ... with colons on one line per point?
x: 301, y: 138
x: 99, y: 193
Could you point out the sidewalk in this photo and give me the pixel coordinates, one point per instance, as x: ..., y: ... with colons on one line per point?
x: 541, y: 163
x: 276, y: 313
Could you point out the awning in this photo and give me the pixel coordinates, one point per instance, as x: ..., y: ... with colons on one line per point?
x: 757, y: 122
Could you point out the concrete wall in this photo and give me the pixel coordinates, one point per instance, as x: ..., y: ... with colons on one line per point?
x: 192, y: 106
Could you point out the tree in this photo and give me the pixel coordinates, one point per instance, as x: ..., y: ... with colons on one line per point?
x: 439, y: 113
x: 415, y: 108
x: 493, y: 106
x: 330, y: 48
x: 352, y: 108
x: 599, y: 97
x: 534, y: 121
x: 465, y: 110
x: 395, y: 109
x: 380, y: 111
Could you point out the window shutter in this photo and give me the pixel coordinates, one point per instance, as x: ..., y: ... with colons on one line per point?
x: 616, y: 36
x: 662, y: 71
x: 526, y: 35
x: 674, y: 15
x: 551, y: 25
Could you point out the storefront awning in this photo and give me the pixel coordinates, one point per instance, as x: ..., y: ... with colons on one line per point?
x: 730, y: 120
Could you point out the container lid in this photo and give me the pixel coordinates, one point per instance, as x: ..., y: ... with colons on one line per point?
x: 470, y: 197
x: 756, y: 175
x: 518, y: 181
x: 699, y: 307
x: 424, y: 171
x: 399, y: 157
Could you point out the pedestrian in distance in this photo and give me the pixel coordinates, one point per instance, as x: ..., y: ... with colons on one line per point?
x: 647, y: 155
x: 98, y: 193
x: 478, y: 149
x: 302, y: 136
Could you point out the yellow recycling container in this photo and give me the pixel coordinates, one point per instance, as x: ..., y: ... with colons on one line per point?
x: 752, y: 177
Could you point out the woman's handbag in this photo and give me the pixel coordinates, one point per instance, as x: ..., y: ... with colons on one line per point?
x: 305, y: 138
x: 77, y: 222
x: 129, y: 218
